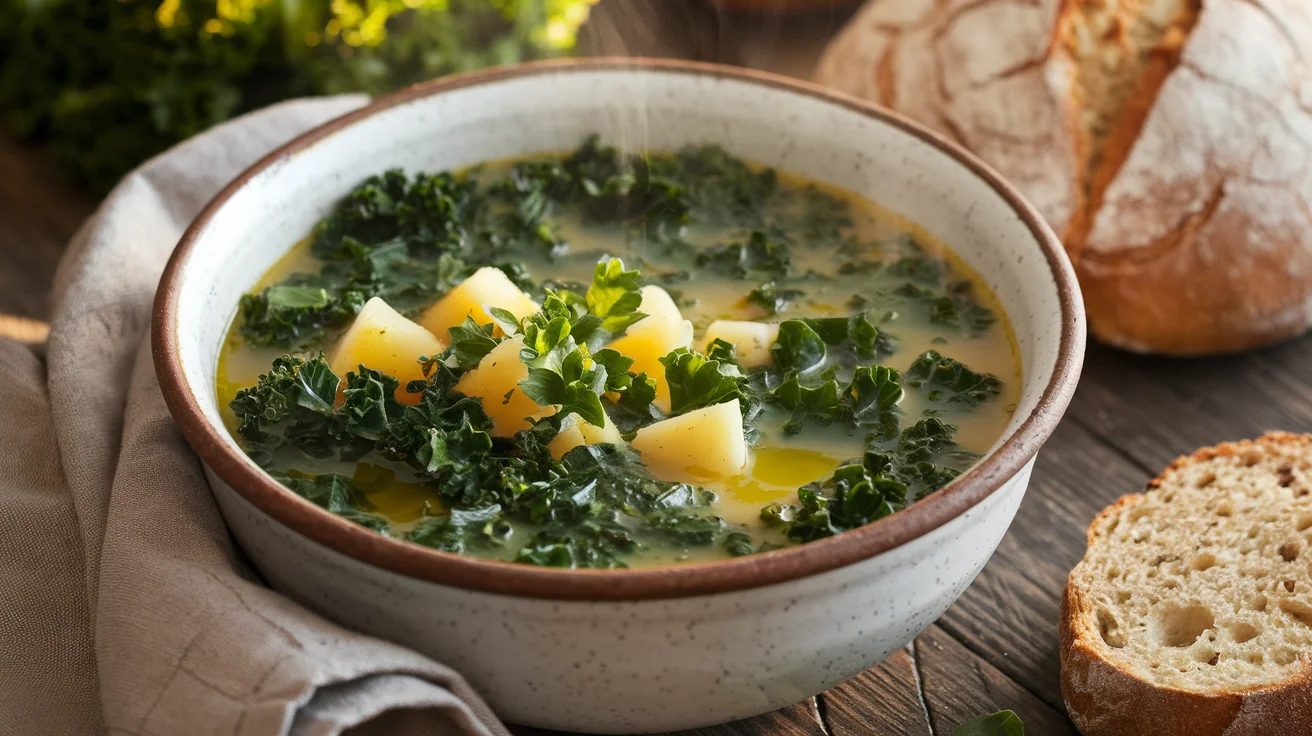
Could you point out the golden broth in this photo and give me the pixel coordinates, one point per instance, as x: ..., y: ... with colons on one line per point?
x: 778, y: 464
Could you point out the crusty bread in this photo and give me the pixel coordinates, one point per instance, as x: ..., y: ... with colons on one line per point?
x: 1168, y: 142
x: 1191, y: 612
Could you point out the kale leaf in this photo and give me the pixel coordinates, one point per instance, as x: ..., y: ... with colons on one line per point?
x: 614, y: 295
x: 566, y: 367
x: 950, y: 381
x: 697, y: 381
x: 400, y: 239
x: 758, y: 257
x: 1002, y: 723
x: 869, y: 401
x: 470, y: 343
x: 336, y: 494
x: 463, y: 530
x: 798, y: 347
x: 771, y: 298
x: 952, y: 306
x: 924, y: 458
x: 804, y: 344
x: 722, y: 189
x: 296, y: 399
x: 297, y: 313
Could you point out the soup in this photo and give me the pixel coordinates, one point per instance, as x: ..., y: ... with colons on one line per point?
x: 610, y: 360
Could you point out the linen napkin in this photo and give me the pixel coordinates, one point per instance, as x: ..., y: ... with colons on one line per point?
x: 124, y: 605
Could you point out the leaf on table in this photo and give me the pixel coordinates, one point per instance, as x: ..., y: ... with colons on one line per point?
x: 1002, y: 723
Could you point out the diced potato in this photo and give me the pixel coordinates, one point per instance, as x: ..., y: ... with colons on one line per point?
x: 702, y: 445
x: 487, y: 286
x: 382, y: 339
x: 652, y: 338
x: 578, y: 432
x: 657, y: 304
x: 495, y: 382
x: 752, y: 340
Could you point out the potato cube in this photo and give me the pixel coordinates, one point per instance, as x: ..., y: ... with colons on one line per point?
x: 382, y: 339
x: 752, y: 340
x: 657, y: 304
x: 652, y: 338
x: 700, y: 446
x: 495, y: 382
x: 578, y: 432
x: 487, y: 286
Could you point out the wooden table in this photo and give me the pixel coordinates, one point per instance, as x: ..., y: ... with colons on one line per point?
x: 997, y: 646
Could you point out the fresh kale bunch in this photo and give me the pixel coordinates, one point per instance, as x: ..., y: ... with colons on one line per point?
x: 108, y: 84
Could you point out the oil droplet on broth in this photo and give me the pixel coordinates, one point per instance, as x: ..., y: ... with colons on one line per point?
x: 399, y: 501
x: 773, y: 474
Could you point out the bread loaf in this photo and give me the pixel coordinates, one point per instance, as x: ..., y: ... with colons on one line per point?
x: 1191, y: 612
x: 1167, y: 142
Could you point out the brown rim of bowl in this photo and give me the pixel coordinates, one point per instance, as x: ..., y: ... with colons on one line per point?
x: 513, y: 579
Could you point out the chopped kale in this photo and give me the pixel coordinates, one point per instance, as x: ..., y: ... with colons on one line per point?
x: 868, y: 402
x: 853, y: 496
x: 798, y: 347
x: 949, y: 381
x: 470, y: 342
x: 758, y: 257
x: 634, y: 408
x: 697, y: 381
x: 771, y: 298
x: 297, y: 313
x: 722, y: 189
x: 804, y: 344
x: 883, y: 482
x: 614, y: 296
x: 953, y: 306
x: 463, y: 530
x: 337, y: 495
x: 722, y: 351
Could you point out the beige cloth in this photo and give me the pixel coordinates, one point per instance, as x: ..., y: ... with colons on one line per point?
x: 124, y: 606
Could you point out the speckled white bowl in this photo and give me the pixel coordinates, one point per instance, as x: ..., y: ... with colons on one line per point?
x: 629, y: 651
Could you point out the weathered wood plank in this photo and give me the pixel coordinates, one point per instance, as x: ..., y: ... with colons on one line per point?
x: 884, y: 700
x: 1009, y: 615
x: 958, y: 685
x: 1156, y: 409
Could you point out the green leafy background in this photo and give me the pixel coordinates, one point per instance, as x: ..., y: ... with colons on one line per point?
x: 109, y: 83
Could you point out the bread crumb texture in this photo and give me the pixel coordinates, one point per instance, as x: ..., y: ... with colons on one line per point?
x: 1167, y: 142
x: 1204, y: 583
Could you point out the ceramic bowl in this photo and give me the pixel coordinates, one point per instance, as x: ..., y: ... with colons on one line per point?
x: 644, y: 650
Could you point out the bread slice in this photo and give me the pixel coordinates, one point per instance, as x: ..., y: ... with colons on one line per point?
x: 1191, y: 612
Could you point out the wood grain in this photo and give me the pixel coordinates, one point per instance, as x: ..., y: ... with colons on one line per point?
x: 1008, y: 616
x: 885, y: 699
x: 959, y: 685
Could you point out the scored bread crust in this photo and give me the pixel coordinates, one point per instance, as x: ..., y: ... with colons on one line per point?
x: 1190, y: 223
x: 1104, y: 698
